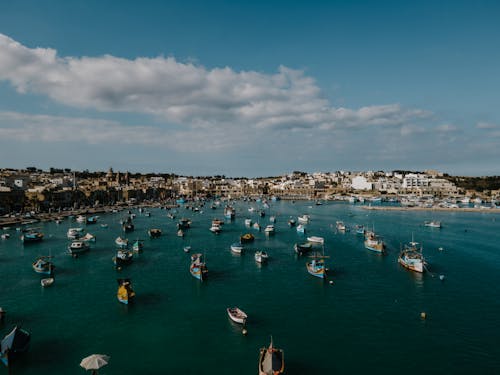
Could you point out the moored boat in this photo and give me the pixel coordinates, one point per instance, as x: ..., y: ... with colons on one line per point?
x: 125, y: 293
x: 271, y: 360
x: 237, y: 315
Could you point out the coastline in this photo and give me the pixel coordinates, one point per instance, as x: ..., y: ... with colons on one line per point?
x: 441, y: 209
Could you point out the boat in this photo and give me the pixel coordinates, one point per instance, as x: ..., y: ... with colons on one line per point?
x: 32, y: 236
x: 198, y: 267
x: 271, y: 360
x: 291, y: 222
x: 304, y: 219
x: 237, y: 315
x: 43, y: 265
x: 125, y: 293
x: 92, y: 219
x: 237, y: 248
x: 303, y: 248
x: 88, y: 237
x: 316, y: 240
x: 123, y: 257
x: 373, y: 243
x: 14, y: 343
x: 77, y: 247
x: 121, y: 242
x: 411, y: 257
x: 47, y: 282
x: 138, y: 246
x: 154, y: 232
x: 74, y: 233
x: 301, y: 229
x: 316, y: 266
x: 261, y: 256
x: 248, y: 222
x: 341, y: 227
x: 247, y: 238
x: 269, y: 230
x: 433, y: 224
x: 215, y: 228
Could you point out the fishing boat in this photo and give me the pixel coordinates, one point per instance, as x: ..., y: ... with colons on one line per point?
x: 43, y: 265
x: 47, y: 282
x: 32, y: 236
x: 341, y: 227
x: 301, y: 229
x: 411, y: 257
x: 92, y: 219
x: 138, y: 246
x: 303, y: 248
x: 198, y: 267
x: 269, y: 230
x: 271, y: 360
x: 237, y: 315
x: 154, y: 232
x: 77, y: 247
x: 14, y: 343
x: 247, y: 238
x: 121, y: 242
x: 125, y: 293
x: 248, y: 222
x: 74, y: 233
x: 316, y: 266
x: 316, y: 240
x: 373, y: 242
x: 291, y: 222
x: 433, y: 224
x: 304, y: 219
x: 237, y: 248
x: 123, y: 257
x: 261, y: 256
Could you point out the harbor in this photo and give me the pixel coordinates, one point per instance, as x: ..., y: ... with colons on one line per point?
x: 175, y: 315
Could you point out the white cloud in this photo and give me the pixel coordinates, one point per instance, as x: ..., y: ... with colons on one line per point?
x: 216, y: 100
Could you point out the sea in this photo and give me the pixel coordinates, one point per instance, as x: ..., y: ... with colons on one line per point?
x: 367, y: 317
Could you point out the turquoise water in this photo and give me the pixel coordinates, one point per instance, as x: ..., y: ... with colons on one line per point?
x: 367, y: 321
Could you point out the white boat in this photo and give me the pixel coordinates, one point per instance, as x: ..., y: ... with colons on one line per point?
x: 74, y: 233
x: 316, y: 240
x: 269, y: 229
x: 237, y: 315
x: 261, y: 256
x: 237, y: 248
x: 47, y: 282
x: 77, y: 247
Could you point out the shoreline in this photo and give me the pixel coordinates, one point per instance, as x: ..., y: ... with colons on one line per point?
x: 442, y: 209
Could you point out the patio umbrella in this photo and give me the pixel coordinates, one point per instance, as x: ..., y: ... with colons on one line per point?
x: 94, y: 362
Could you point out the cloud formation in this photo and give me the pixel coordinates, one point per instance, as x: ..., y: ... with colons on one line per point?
x: 190, y: 95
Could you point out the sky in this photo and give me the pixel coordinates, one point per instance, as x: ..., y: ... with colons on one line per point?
x: 250, y: 88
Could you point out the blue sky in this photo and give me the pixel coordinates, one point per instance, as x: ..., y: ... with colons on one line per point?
x: 251, y: 88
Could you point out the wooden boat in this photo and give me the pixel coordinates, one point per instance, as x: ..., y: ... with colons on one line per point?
x: 316, y: 240
x: 14, y: 343
x: 271, y: 360
x: 125, y: 293
x: 43, y: 265
x: 303, y: 248
x: 247, y: 238
x: 47, y: 282
x: 123, y: 257
x: 237, y: 315
x: 77, y: 247
x: 198, y: 268
x: 154, y: 232
x: 237, y: 248
x: 411, y: 257
x: 121, y: 242
x: 261, y: 256
x: 138, y: 246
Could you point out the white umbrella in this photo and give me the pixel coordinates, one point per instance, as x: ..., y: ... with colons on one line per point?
x: 94, y: 361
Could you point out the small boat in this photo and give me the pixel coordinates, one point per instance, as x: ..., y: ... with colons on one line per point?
x: 304, y: 219
x: 261, y: 256
x: 301, y: 229
x: 123, y: 257
x: 198, y: 268
x: 316, y: 240
x: 341, y: 227
x: 316, y: 266
x: 303, y: 248
x: 373, y: 243
x: 411, y: 257
x: 248, y: 222
x: 77, y: 247
x: 43, y: 265
x: 247, y: 238
x: 138, y: 246
x: 291, y: 222
x: 269, y: 230
x: 121, y: 242
x: 433, y: 224
x: 154, y: 232
x: 14, y: 343
x: 5, y: 236
x: 74, y: 233
x: 237, y: 315
x: 237, y: 248
x: 92, y: 219
x: 47, y: 282
x: 271, y: 360
x: 32, y: 236
x: 125, y: 293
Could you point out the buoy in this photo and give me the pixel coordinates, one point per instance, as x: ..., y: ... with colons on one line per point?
x: 244, y: 331
x: 423, y: 315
